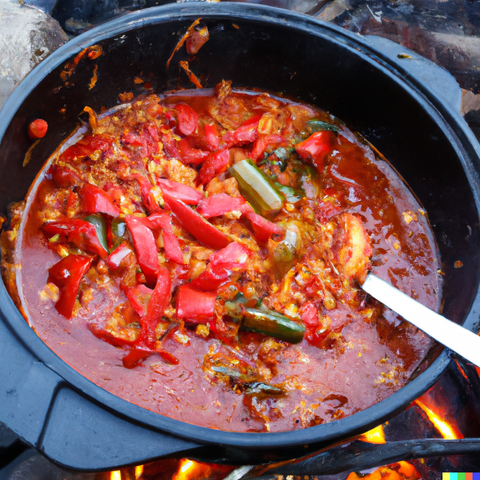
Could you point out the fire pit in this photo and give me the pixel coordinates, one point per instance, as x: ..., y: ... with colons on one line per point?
x: 406, y: 438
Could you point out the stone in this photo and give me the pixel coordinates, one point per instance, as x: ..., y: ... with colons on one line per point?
x: 27, y: 36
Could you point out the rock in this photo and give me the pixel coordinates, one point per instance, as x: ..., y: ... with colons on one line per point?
x: 471, y: 111
x: 27, y: 36
x: 447, y: 32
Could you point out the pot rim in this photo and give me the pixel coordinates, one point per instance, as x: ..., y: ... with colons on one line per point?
x: 453, y: 125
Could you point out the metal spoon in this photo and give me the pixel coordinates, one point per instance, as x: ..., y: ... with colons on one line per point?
x: 448, y: 333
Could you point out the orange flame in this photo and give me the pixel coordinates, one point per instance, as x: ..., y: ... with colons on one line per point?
x: 116, y: 475
x: 447, y: 431
x: 138, y: 471
x: 396, y: 471
x: 375, y: 435
x: 189, y: 470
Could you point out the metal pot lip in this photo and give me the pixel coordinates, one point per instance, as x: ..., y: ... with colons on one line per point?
x: 453, y: 124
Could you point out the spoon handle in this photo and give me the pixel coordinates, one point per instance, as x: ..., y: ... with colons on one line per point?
x: 448, y: 333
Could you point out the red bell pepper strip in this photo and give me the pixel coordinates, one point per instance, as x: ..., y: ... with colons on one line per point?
x: 211, y: 279
x: 139, y: 297
x: 173, y: 252
x: 194, y: 305
x: 187, y: 118
x: 96, y: 200
x: 195, y: 224
x: 64, y: 177
x: 215, y: 164
x: 189, y: 154
x: 315, y: 148
x: 157, y: 305
x: 80, y: 233
x: 309, y: 316
x: 86, y: 146
x: 221, y: 203
x: 262, y: 227
x: 149, y: 200
x: 188, y: 195
x: 211, y: 137
x: 247, y: 133
x: 167, y: 356
x: 108, y: 337
x: 145, y: 248
x: 262, y: 143
x: 67, y: 275
x: 115, y: 258
x: 232, y: 258
x: 135, y: 356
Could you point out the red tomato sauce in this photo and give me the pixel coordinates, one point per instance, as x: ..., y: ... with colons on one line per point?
x: 200, y: 254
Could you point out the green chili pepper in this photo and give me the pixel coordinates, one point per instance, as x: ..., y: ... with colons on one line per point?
x: 118, y: 227
x: 257, y: 188
x: 100, y: 227
x: 284, y: 253
x: 293, y: 195
x: 233, y: 309
x: 236, y: 377
x: 228, y: 371
x: 319, y: 125
x: 273, y: 324
x: 245, y: 382
x: 260, y: 388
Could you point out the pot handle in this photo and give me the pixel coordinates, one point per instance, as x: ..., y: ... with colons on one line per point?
x: 70, y: 428
x: 432, y: 75
x: 26, y: 388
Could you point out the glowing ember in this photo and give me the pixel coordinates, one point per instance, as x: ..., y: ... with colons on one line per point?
x: 186, y: 466
x: 116, y: 475
x: 189, y: 470
x: 375, y: 435
x: 138, y: 471
x: 396, y: 471
x: 447, y: 431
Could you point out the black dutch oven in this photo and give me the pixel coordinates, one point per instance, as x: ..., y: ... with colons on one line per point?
x: 82, y: 426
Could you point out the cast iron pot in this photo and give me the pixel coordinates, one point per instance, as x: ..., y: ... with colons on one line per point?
x: 80, y: 425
